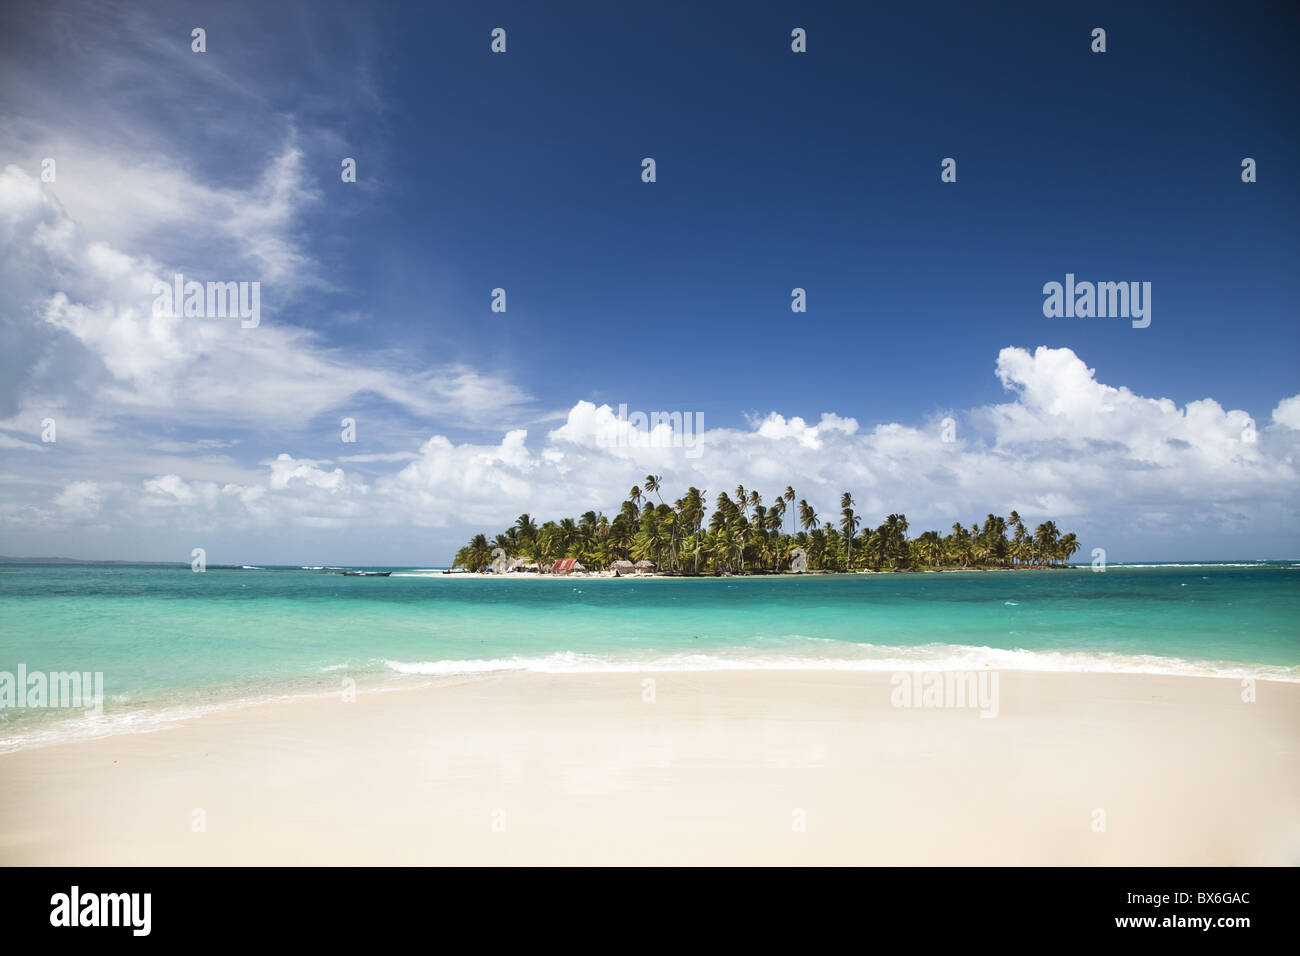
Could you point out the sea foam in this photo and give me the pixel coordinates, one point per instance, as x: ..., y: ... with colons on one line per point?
x: 862, y: 657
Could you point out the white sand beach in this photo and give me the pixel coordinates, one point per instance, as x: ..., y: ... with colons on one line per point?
x: 721, y: 768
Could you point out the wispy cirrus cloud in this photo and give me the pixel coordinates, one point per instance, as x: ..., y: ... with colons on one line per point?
x: 189, y: 370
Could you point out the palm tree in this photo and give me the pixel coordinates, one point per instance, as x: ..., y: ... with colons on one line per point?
x: 478, y: 554
x: 1045, y: 541
x: 1020, y: 543
x: 931, y: 547
x: 960, y: 544
x: 775, y: 519
x: 832, y: 544
x: 1068, y: 545
x: 621, y: 533
x: 722, y: 546
x: 568, y: 536
x: 634, y: 495
x: 649, y: 543
x: 542, y: 545
x: 894, y: 535
x: 807, y: 517
x: 525, y: 530
x: 816, y: 546
x: 629, y: 512
x: 848, y: 522
x: 668, y: 520
x: 585, y: 536
x: 692, y: 517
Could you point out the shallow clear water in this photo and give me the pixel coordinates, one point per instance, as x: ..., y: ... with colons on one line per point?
x: 166, y: 637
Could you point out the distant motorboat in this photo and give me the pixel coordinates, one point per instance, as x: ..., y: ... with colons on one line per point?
x: 367, y: 574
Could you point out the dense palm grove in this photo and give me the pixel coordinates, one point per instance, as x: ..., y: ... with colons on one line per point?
x: 742, y: 534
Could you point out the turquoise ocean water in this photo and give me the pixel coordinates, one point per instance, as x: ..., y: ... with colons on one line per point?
x: 172, y: 643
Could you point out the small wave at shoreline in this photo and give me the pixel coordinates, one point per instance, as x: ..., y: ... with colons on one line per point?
x: 93, y: 726
x: 155, y: 717
x: 849, y: 658
x: 933, y: 657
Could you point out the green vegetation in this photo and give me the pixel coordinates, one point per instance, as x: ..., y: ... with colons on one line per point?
x: 744, y: 535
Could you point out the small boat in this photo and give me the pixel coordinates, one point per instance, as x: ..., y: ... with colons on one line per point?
x: 367, y: 574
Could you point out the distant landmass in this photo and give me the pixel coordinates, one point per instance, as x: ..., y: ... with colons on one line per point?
x: 6, y: 559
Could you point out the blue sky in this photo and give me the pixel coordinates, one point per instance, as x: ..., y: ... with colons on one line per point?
x: 821, y: 171
x: 522, y: 170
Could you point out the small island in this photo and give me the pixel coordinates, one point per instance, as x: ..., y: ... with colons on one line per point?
x: 743, y: 535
